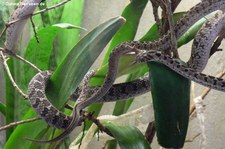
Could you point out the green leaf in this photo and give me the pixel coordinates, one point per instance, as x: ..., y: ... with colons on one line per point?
x: 70, y: 72
x: 128, y: 137
x: 122, y: 106
x: 54, y: 15
x: 190, y: 34
x: 38, y: 54
x: 171, y: 107
x: 17, y: 139
x: 94, y: 42
x: 171, y: 97
x: 73, y: 14
x: 111, y: 144
x: 132, y: 13
x: 10, y: 97
x: 68, y: 26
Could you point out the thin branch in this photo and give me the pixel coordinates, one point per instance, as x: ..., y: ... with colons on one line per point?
x: 21, y: 59
x: 155, y: 6
x: 27, y: 62
x: 30, y: 15
x: 12, y: 22
x: 35, y: 33
x: 18, y: 123
x: 10, y: 75
x: 3, y: 31
x: 91, y: 117
x: 171, y: 26
x: 68, y: 107
x: 165, y: 23
x: 52, y: 7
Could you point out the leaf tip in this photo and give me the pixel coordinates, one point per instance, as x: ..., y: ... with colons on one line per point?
x: 122, y: 18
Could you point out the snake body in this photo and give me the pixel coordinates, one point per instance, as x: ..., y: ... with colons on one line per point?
x: 203, y: 41
x: 145, y: 52
x: 119, y: 91
x: 39, y: 101
x: 14, y: 31
x: 187, y: 72
x: 192, y: 16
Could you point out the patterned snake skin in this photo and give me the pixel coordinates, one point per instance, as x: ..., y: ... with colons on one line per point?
x: 38, y: 99
x: 145, y: 52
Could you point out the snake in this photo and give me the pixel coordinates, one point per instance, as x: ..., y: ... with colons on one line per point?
x: 20, y: 15
x: 37, y: 97
x: 146, y: 51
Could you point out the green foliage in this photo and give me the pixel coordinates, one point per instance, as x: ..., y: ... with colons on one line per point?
x: 61, y: 50
x: 40, y: 56
x: 132, y: 13
x: 65, y: 80
x: 171, y: 98
x: 128, y: 137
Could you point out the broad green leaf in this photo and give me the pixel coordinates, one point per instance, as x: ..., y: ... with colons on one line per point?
x: 172, y: 107
x: 68, y: 26
x: 54, y: 14
x: 128, y: 137
x: 132, y: 13
x: 38, y: 54
x: 10, y: 97
x: 44, y: 17
x: 70, y: 72
x: 73, y: 14
x: 111, y: 144
x: 3, y: 14
x: 152, y: 34
x: 190, y: 34
x: 171, y: 97
x: 30, y: 130
x: 93, y: 42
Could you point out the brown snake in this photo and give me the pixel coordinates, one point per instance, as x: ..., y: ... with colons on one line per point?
x: 149, y: 51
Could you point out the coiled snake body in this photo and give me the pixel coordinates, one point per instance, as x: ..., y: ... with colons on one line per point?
x: 39, y: 101
x: 145, y: 52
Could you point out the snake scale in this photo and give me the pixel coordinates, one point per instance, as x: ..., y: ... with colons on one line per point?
x: 146, y: 51
x: 59, y: 120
